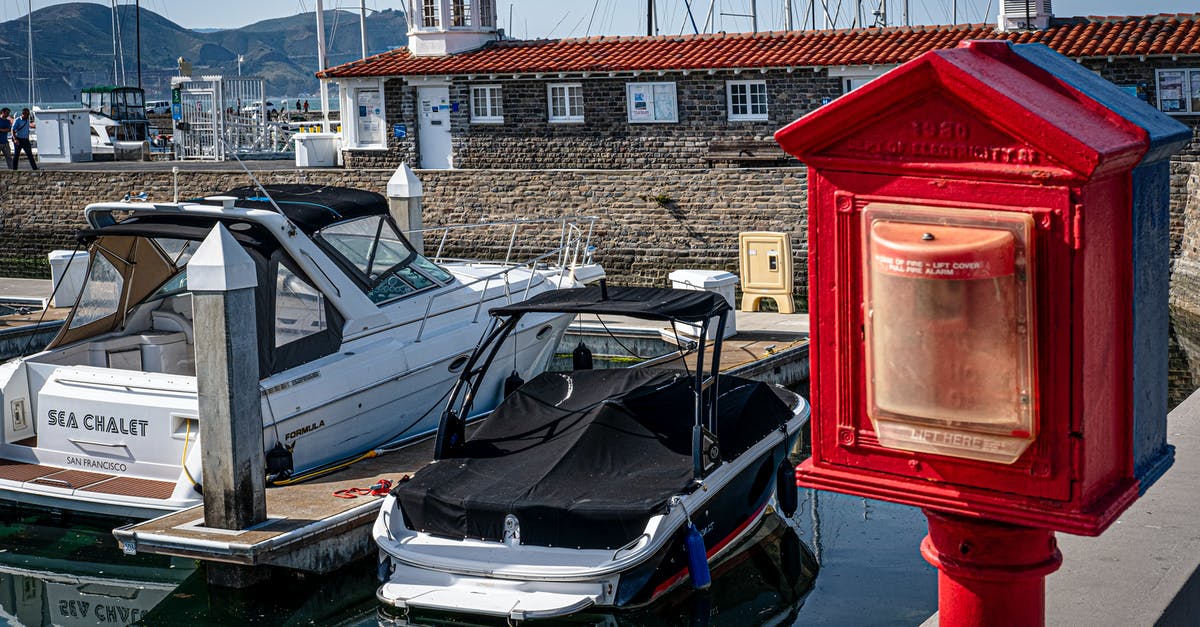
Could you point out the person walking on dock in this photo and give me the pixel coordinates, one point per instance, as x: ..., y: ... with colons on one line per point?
x: 306, y: 107
x: 5, y: 128
x: 20, y: 133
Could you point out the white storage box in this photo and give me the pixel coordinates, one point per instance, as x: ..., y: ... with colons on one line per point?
x: 68, y: 270
x: 709, y: 281
x: 317, y: 150
x: 63, y: 135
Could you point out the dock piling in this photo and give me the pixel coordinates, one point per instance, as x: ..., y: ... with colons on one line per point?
x: 222, y: 278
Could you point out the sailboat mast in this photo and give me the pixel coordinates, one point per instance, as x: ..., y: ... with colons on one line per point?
x: 362, y: 25
x: 116, y: 76
x: 321, y: 65
x: 32, y: 79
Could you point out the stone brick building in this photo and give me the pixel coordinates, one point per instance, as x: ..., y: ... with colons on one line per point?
x: 460, y: 97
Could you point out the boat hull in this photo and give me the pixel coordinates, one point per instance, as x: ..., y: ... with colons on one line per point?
x: 724, y: 512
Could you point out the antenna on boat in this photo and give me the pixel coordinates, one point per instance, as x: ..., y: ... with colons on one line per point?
x: 255, y: 180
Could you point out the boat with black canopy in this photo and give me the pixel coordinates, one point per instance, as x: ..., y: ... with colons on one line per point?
x: 603, y: 488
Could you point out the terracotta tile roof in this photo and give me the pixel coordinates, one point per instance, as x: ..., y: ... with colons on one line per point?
x: 1074, y: 37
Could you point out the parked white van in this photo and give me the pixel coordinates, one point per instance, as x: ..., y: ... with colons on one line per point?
x: 160, y: 107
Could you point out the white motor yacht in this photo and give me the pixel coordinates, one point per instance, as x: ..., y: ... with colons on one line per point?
x: 360, y: 338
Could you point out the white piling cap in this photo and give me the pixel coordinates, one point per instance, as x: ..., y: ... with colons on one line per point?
x: 220, y: 264
x: 404, y: 184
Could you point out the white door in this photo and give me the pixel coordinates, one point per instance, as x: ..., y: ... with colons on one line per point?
x: 433, y: 130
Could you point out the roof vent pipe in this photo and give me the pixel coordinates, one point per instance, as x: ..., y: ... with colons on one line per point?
x: 1024, y: 15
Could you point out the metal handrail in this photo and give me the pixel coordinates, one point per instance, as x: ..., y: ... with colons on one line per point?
x: 573, y: 245
x: 516, y: 223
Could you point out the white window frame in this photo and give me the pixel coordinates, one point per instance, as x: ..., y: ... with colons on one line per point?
x: 461, y: 13
x: 1188, y: 102
x: 493, y: 113
x: 567, y: 117
x: 486, y: 12
x: 748, y: 115
x: 656, y: 91
x: 431, y: 13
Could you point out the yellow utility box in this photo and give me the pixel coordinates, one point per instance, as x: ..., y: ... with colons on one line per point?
x: 766, y: 266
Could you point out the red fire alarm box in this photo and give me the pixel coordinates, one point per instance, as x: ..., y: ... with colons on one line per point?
x: 971, y: 258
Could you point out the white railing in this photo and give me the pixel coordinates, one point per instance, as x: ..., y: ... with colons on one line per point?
x: 574, y: 249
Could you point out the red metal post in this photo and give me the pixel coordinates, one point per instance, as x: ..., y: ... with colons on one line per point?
x: 989, y: 574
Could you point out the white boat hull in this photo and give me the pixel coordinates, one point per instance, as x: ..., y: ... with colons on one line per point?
x: 520, y: 582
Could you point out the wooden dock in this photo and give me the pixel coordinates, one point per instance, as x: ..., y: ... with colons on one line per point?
x: 309, y: 529
x: 29, y: 332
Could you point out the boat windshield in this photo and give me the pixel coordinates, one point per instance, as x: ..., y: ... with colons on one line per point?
x: 180, y: 251
x: 382, y: 259
x: 101, y: 294
x: 176, y: 285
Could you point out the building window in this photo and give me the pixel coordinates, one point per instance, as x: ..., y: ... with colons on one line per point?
x: 1178, y: 91
x: 485, y: 13
x: 566, y: 102
x: 429, y: 13
x: 651, y: 102
x: 486, y: 104
x: 460, y: 12
x: 747, y: 100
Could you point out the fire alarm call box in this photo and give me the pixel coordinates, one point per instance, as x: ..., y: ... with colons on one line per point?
x: 987, y: 290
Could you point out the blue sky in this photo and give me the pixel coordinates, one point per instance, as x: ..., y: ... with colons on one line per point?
x: 566, y: 18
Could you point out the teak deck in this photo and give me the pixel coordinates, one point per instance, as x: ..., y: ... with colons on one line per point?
x: 306, y: 523
x: 84, y: 481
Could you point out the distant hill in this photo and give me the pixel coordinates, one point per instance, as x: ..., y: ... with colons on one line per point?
x: 73, y: 49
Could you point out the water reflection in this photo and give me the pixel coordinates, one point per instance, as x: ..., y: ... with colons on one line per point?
x: 345, y: 597
x: 68, y: 572
x: 1183, y: 375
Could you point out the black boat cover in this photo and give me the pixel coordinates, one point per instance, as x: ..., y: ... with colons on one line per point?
x: 582, y: 459
x: 311, y: 207
x: 651, y: 303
